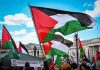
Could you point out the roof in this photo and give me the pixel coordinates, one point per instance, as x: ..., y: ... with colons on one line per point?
x: 7, y: 55
x: 6, y: 58
x: 29, y: 57
x: 3, y: 53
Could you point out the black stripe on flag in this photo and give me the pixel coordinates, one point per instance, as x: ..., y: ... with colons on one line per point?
x: 85, y: 19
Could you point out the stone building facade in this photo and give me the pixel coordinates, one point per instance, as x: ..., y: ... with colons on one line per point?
x: 91, y: 45
x: 38, y: 51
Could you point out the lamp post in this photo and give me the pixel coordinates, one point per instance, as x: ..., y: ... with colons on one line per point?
x: 34, y: 50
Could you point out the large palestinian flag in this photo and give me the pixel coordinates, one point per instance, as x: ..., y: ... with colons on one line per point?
x: 49, y: 21
x: 8, y: 42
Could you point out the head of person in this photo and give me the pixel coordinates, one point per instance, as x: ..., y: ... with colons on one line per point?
x: 85, y: 61
x: 27, y: 64
x: 98, y: 59
x: 66, y: 66
x: 74, y: 66
x: 84, y: 67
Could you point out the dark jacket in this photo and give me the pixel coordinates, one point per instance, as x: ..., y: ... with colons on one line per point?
x: 46, y: 67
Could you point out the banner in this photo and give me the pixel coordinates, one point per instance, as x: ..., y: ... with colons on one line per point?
x: 21, y: 63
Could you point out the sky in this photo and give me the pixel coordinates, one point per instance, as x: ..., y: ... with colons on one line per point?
x: 16, y: 16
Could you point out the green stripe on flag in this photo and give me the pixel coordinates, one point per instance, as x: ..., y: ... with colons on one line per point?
x: 58, y: 60
x: 8, y: 45
x: 71, y: 26
x: 68, y: 28
x: 81, y: 53
x: 59, y: 52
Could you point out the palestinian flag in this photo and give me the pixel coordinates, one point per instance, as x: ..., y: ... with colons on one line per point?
x: 55, y: 48
x: 8, y: 42
x: 80, y: 48
x: 82, y: 51
x: 22, y: 49
x: 49, y: 21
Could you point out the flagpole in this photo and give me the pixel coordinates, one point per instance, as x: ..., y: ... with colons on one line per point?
x: 76, y: 38
x: 36, y: 32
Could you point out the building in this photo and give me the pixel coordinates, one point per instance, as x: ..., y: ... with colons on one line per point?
x: 91, y: 45
x: 34, y: 50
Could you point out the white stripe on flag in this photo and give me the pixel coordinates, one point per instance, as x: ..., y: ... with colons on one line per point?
x: 60, y: 46
x: 62, y: 19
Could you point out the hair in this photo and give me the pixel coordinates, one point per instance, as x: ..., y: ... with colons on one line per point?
x: 27, y: 64
x: 66, y: 66
x: 85, y: 66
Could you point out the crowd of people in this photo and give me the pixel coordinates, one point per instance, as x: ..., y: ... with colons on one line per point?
x: 67, y: 65
x: 82, y: 65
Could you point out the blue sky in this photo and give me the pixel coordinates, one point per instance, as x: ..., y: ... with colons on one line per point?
x: 16, y: 16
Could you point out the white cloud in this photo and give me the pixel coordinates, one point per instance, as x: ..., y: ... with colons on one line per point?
x: 17, y: 19
x: 20, y: 32
x: 96, y: 11
x: 87, y: 5
x: 32, y: 38
x: 28, y: 38
x: 30, y: 23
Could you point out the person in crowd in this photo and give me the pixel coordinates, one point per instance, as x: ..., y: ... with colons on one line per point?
x: 2, y: 67
x: 98, y: 64
x: 46, y: 65
x: 27, y: 66
x: 74, y: 66
x: 66, y: 66
x: 93, y: 64
x: 84, y: 65
x: 57, y: 66
x: 69, y: 61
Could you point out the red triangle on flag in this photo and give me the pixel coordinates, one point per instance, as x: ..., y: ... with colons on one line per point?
x: 47, y: 47
x: 5, y: 35
x: 43, y: 23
